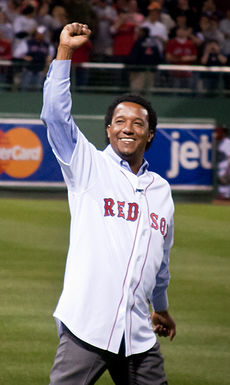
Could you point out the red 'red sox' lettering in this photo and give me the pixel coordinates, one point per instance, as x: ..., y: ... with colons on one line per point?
x: 120, y: 209
x: 132, y: 213
x: 154, y: 218
x: 129, y: 212
x: 109, y: 203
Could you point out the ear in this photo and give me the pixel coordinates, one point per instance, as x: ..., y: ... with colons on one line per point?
x: 151, y: 136
x: 108, y: 130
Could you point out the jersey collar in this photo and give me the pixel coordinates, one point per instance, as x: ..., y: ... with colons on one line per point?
x: 123, y: 163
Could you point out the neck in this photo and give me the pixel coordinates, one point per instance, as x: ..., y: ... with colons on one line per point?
x: 134, y: 164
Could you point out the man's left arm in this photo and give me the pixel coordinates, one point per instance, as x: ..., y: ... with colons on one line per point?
x: 164, y: 325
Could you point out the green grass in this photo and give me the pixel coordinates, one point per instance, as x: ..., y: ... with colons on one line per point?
x: 33, y: 245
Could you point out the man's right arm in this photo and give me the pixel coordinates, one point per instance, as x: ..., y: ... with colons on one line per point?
x: 56, y: 111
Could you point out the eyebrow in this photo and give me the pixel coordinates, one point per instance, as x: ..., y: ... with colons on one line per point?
x: 123, y: 117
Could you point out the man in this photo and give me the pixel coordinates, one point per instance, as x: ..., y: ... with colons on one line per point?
x: 223, y: 162
x: 38, y: 55
x: 120, y: 237
x: 157, y: 29
x: 181, y: 50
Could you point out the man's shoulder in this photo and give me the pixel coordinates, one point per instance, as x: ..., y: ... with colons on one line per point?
x: 159, y: 180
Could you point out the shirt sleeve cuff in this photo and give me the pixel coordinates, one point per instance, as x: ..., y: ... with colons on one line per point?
x: 61, y: 69
x: 160, y: 303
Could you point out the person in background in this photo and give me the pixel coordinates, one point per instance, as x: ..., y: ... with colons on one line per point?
x: 6, y: 28
x: 214, y: 32
x: 81, y: 10
x: 181, y: 50
x: 5, y: 48
x: 103, y: 40
x: 145, y: 52
x: 223, y: 162
x: 81, y: 55
x: 199, y: 36
x: 52, y: 17
x: 5, y: 54
x: 38, y: 54
x: 24, y: 26
x: 225, y: 29
x: 12, y: 9
x: 157, y: 30
x: 120, y: 5
x: 212, y: 56
x: 209, y: 8
x: 165, y: 17
x: 183, y: 6
x: 181, y: 21
x: 125, y: 30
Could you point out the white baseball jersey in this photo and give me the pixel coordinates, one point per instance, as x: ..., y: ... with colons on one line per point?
x: 120, y: 235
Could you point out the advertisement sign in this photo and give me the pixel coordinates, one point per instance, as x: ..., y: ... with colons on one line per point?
x: 25, y: 154
x: 180, y: 153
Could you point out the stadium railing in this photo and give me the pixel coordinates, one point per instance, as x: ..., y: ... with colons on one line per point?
x: 116, y: 77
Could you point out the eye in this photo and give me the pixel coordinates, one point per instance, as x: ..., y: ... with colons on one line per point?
x: 139, y: 124
x: 119, y: 121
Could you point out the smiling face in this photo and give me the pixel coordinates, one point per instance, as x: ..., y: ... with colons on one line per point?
x: 129, y: 133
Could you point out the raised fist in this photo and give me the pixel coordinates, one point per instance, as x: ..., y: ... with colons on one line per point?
x: 74, y: 35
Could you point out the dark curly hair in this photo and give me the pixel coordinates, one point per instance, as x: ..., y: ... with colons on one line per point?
x: 133, y: 98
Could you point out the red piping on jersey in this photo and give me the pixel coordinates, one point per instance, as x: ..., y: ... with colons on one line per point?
x: 142, y: 269
x: 123, y: 285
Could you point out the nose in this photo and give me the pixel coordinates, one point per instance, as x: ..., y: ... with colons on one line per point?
x: 128, y: 129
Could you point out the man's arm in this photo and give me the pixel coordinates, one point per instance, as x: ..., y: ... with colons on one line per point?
x: 57, y: 102
x: 164, y: 324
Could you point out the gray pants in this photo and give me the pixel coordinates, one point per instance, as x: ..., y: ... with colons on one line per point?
x: 78, y: 363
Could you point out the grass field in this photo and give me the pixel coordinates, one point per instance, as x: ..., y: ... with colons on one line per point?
x: 33, y: 244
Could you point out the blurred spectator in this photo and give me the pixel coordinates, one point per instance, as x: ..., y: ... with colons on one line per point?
x: 223, y: 162
x: 6, y: 28
x: 5, y: 54
x: 82, y: 55
x: 103, y: 41
x: 225, y: 29
x: 212, y: 57
x: 51, y: 22
x: 59, y: 19
x: 143, y: 6
x: 157, y: 30
x: 124, y: 34
x: 213, y: 32
x: 38, y: 54
x: 181, y: 21
x: 199, y: 36
x: 145, y: 52
x: 12, y: 9
x: 165, y: 18
x: 134, y: 13
x: 181, y: 50
x: 183, y: 6
x: 81, y: 11
x: 24, y: 26
x: 210, y: 9
x: 5, y: 48
x: 120, y: 5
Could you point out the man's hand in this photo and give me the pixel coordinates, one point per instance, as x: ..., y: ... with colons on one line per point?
x: 72, y: 36
x: 164, y: 324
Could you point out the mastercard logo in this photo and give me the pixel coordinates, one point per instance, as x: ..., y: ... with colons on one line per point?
x: 21, y: 152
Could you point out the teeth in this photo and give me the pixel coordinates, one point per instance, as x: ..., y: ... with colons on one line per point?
x: 127, y: 139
